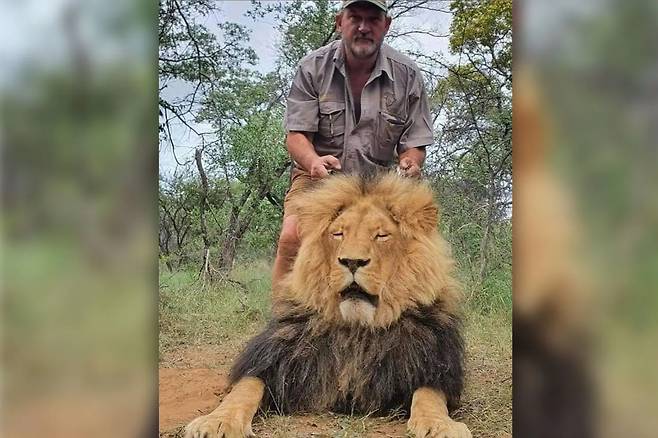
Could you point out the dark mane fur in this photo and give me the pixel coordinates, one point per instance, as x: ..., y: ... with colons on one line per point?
x: 309, y: 364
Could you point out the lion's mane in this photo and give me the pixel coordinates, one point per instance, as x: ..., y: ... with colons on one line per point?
x: 312, y: 360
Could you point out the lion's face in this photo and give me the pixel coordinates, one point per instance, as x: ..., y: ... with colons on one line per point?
x: 369, y: 251
x: 363, y: 238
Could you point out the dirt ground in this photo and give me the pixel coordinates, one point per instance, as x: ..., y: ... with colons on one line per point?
x: 193, y: 380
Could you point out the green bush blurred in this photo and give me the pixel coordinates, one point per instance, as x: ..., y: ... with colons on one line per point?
x: 79, y: 190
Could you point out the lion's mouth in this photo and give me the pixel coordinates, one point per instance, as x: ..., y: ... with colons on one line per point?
x: 356, y: 292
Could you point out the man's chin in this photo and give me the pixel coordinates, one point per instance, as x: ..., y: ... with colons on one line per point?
x: 364, y: 52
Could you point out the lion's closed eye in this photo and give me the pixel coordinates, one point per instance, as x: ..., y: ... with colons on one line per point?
x: 382, y: 236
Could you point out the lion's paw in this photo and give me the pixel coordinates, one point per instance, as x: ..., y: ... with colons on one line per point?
x: 432, y: 427
x: 218, y: 426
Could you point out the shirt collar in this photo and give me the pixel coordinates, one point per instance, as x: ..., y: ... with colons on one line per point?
x: 339, y: 57
x: 381, y: 65
x: 383, y: 62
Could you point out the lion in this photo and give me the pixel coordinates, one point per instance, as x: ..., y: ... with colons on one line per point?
x: 365, y: 323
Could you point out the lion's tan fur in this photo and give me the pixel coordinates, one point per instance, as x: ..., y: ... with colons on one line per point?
x: 410, y: 266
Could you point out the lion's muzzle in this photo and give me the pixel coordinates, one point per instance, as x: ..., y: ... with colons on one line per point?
x: 357, y: 305
x: 356, y: 292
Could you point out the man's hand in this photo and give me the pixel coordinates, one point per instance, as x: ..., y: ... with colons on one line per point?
x: 409, y: 168
x: 321, y: 166
x: 411, y: 161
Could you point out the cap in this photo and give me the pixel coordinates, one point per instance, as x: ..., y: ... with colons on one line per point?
x: 381, y: 4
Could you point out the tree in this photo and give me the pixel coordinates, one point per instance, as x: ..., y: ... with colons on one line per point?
x: 473, y: 107
x: 177, y: 200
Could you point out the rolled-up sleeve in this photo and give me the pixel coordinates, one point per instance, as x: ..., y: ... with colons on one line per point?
x: 302, y: 103
x: 419, y: 131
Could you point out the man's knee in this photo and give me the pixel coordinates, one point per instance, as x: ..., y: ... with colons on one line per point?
x: 289, y: 238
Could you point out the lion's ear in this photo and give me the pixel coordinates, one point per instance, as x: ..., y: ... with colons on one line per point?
x: 317, y: 208
x: 414, y: 217
x: 310, y: 215
x: 411, y: 204
x: 426, y: 218
x: 314, y: 217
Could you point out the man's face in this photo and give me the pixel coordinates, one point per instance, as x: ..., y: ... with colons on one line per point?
x: 363, y: 27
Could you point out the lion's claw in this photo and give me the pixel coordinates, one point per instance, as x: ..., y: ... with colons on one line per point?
x: 427, y: 427
x: 218, y: 426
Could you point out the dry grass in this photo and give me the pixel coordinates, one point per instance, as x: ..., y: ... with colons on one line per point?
x: 487, y: 400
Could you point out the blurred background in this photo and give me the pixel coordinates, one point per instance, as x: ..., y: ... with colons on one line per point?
x: 79, y: 181
x: 79, y: 133
x: 585, y: 218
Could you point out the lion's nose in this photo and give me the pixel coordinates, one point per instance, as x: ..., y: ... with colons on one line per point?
x: 353, y: 264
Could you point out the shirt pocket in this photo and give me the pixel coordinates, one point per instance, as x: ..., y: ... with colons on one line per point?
x: 389, y: 131
x: 331, y: 124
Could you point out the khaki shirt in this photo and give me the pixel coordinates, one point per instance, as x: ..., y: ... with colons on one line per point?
x: 395, y: 113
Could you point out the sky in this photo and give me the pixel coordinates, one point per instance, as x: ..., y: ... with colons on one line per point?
x: 264, y: 39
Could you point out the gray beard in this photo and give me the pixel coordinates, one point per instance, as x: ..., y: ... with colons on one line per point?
x: 363, y: 52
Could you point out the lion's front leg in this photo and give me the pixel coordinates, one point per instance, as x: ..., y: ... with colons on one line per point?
x: 232, y: 419
x: 429, y: 416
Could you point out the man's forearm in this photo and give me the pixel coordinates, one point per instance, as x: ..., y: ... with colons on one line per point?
x: 301, y: 149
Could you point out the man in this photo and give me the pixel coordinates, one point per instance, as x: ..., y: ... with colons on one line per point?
x: 353, y: 106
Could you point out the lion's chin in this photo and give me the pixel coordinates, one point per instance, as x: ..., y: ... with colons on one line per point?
x: 356, y: 311
x: 357, y: 305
